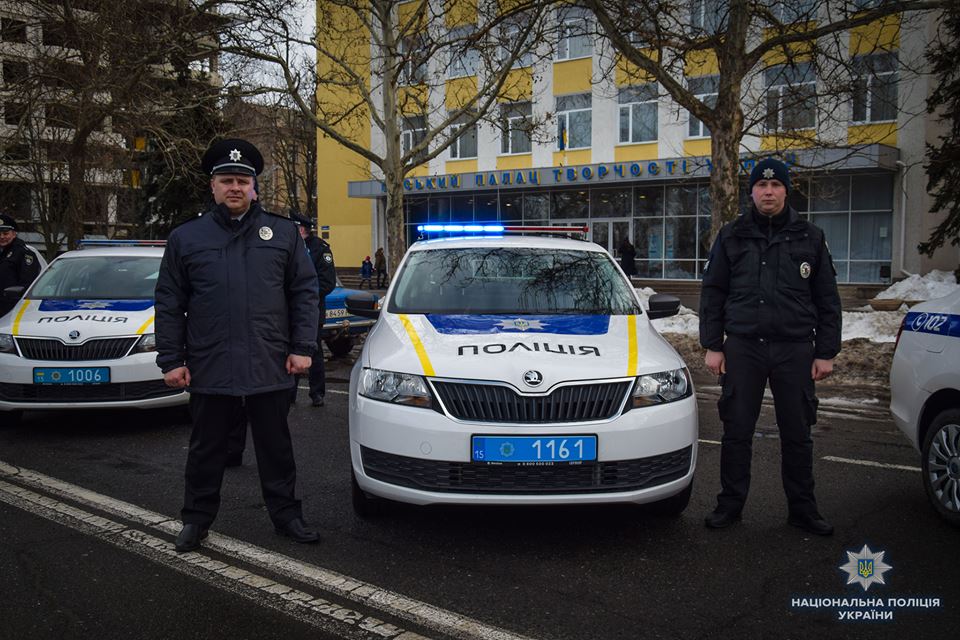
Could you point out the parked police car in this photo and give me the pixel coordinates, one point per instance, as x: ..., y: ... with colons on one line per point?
x: 518, y: 370
x: 82, y: 336
x: 925, y: 396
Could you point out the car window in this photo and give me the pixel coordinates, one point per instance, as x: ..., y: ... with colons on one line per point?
x: 98, y: 277
x: 514, y: 280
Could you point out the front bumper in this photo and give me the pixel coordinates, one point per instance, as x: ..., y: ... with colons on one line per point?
x: 135, y: 382
x: 420, y: 456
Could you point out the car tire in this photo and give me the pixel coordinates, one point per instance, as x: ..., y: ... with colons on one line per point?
x: 940, y: 462
x: 340, y: 346
x: 364, y: 504
x: 672, y: 506
x: 11, y: 418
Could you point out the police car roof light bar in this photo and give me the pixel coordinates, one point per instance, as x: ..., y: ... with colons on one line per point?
x: 121, y: 243
x: 531, y: 229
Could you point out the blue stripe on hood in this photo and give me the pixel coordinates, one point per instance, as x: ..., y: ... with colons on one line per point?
x: 560, y: 325
x: 95, y: 305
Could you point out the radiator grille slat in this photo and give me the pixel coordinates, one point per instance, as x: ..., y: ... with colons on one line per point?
x: 46, y: 349
x: 498, y: 403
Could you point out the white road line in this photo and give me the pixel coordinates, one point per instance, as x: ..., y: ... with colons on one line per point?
x: 709, y: 441
x: 340, y: 391
x: 318, y: 612
x: 387, y: 602
x: 870, y: 463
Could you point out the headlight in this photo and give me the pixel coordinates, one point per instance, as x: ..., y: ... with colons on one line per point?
x: 6, y: 344
x: 146, y: 343
x: 399, y: 388
x: 658, y: 388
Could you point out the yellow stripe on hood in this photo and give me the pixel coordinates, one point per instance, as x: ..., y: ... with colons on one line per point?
x: 417, y: 345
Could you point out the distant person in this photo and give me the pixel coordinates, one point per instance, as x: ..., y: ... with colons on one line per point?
x: 380, y: 264
x: 236, y: 317
x: 19, y: 264
x: 628, y: 256
x: 366, y: 271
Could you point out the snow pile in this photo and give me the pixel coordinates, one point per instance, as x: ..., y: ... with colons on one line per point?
x: 935, y: 284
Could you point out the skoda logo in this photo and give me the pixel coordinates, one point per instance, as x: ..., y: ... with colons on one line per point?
x: 74, y: 335
x: 533, y: 378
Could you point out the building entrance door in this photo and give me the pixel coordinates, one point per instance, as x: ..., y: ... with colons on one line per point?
x: 610, y: 234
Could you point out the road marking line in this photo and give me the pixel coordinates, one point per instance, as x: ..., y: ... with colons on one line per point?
x: 318, y: 612
x: 709, y: 441
x: 871, y: 463
x: 327, y: 391
x: 388, y: 602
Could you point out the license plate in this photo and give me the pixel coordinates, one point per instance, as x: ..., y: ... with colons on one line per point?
x: 71, y: 375
x: 532, y: 449
x: 337, y: 313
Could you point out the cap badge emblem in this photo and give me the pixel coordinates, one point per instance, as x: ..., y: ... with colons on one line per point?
x: 235, y: 155
x: 805, y: 270
x: 768, y: 173
x: 266, y: 233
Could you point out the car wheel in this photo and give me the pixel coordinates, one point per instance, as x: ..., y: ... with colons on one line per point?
x: 11, y: 418
x: 340, y: 346
x: 941, y: 465
x: 364, y: 504
x: 672, y: 506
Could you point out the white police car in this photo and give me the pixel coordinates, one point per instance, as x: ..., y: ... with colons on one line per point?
x: 82, y: 336
x: 518, y: 370
x: 925, y: 396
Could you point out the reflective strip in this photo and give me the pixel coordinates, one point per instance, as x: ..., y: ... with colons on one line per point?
x: 145, y: 325
x: 631, y: 345
x: 16, y: 321
x: 940, y: 324
x: 417, y: 345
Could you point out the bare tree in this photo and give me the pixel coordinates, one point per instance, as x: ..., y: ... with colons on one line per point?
x: 385, y: 65
x: 779, y: 70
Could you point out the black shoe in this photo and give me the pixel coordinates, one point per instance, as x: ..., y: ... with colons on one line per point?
x: 235, y: 460
x: 297, y: 530
x: 811, y: 522
x: 317, y: 401
x: 190, y: 537
x: 719, y: 519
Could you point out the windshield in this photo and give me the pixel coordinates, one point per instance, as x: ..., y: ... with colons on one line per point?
x: 98, y: 278
x: 514, y: 280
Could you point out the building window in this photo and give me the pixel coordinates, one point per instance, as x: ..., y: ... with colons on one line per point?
x: 791, y: 97
x: 14, y: 72
x: 574, y: 34
x: 13, y: 30
x: 464, y: 143
x: 464, y: 56
x: 414, y: 130
x: 509, y: 39
x: 14, y: 113
x: 516, y: 126
x: 708, y: 16
x: 414, y: 55
x: 791, y: 11
x: 574, y: 121
x: 704, y: 89
x: 638, y: 113
x: 875, y: 88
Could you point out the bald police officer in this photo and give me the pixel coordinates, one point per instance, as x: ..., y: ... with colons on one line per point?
x: 769, y: 310
x: 236, y: 316
x: 19, y: 265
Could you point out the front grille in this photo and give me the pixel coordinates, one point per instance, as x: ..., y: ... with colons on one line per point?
x: 498, y: 403
x: 112, y: 392
x: 105, y: 349
x: 474, y: 477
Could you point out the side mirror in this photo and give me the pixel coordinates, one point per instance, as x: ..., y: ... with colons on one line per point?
x: 663, y: 305
x: 12, y: 294
x: 363, y: 305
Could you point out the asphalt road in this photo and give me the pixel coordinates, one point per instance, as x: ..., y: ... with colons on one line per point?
x: 73, y: 565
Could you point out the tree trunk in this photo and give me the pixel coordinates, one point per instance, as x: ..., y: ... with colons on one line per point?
x: 77, y: 189
x: 394, y: 215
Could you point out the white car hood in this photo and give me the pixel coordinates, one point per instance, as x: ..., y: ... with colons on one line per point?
x: 76, y: 321
x: 503, y: 348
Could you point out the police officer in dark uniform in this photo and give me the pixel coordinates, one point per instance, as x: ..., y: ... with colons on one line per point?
x: 18, y: 264
x: 236, y: 311
x: 322, y: 257
x: 769, y: 310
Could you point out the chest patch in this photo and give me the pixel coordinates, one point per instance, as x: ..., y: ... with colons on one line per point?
x: 266, y: 233
x: 804, y: 270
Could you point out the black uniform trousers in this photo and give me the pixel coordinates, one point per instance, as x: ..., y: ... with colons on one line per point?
x: 318, y: 386
x: 214, y: 416
x: 750, y: 363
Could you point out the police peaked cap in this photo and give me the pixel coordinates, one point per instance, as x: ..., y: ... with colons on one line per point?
x: 233, y: 156
x: 7, y: 223
x: 302, y: 220
x: 770, y: 169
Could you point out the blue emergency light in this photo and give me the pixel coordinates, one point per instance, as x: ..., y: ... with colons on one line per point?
x: 121, y: 243
x: 460, y: 228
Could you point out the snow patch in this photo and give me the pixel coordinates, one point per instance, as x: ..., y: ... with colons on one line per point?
x: 935, y: 284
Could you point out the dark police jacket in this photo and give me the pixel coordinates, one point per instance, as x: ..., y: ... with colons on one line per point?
x: 322, y: 258
x: 773, y: 282
x: 232, y: 304
x: 19, y: 267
